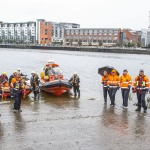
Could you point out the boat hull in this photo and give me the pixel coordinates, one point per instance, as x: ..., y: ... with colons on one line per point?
x: 6, y: 91
x: 57, y: 87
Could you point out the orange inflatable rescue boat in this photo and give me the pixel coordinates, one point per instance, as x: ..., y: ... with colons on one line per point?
x: 52, y: 80
x: 5, y: 90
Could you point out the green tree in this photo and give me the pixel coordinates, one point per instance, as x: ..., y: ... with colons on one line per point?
x: 100, y: 43
x: 125, y: 45
x: 80, y: 42
x: 118, y: 44
x: 139, y: 44
x: 61, y: 42
x: 1, y: 41
x: 132, y: 44
x: 129, y: 44
x: 71, y: 41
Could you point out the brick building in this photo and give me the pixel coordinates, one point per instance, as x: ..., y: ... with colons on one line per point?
x: 92, y: 36
x: 44, y: 32
x: 105, y: 36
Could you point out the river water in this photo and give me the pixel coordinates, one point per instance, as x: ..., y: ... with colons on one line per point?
x: 67, y: 123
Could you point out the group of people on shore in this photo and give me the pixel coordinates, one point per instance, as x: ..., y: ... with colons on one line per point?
x: 17, y: 84
x: 112, y: 83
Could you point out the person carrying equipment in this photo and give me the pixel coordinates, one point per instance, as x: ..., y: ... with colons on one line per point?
x: 113, y: 86
x: 18, y: 87
x: 105, y: 85
x: 12, y: 76
x: 75, y: 80
x: 125, y: 84
x: 34, y: 81
x: 141, y: 87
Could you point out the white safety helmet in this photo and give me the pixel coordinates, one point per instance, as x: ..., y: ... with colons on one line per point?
x: 51, y: 61
x: 75, y: 73
x: 32, y: 72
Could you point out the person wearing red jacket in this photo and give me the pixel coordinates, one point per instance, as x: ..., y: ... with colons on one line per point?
x: 141, y: 86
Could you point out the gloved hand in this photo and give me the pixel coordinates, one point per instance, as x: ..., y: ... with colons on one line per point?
x: 133, y: 90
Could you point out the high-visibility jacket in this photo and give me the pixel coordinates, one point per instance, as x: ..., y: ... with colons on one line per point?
x: 104, y: 80
x: 12, y: 82
x: 141, y: 82
x: 125, y: 81
x: 18, y: 85
x: 113, y: 81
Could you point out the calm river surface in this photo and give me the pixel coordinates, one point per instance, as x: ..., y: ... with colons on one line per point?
x: 65, y: 123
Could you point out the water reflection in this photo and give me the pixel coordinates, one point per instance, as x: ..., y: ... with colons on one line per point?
x: 108, y: 116
x: 19, y: 123
x: 1, y: 130
x: 112, y: 119
x: 62, y: 102
x: 140, y: 125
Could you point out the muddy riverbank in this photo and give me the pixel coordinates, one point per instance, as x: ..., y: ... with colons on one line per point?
x: 65, y: 123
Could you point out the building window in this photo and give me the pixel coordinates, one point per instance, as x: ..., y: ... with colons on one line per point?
x: 104, y: 39
x: 109, y: 39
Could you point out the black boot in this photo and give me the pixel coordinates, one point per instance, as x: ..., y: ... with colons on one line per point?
x: 138, y: 109
x: 145, y: 110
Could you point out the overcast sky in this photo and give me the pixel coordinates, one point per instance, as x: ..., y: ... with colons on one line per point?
x: 89, y: 13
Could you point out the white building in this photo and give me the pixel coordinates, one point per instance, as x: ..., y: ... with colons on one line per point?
x: 70, y: 25
x: 18, y: 32
x: 58, y: 30
x: 145, y: 39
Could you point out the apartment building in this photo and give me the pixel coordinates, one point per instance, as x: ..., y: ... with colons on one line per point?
x: 145, y: 40
x: 105, y: 36
x: 93, y: 36
x: 44, y: 32
x: 58, y: 31
x: 18, y: 32
x: 49, y: 32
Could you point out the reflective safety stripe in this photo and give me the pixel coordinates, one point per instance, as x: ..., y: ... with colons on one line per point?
x: 2, y: 88
x: 125, y: 82
x: 113, y: 86
x: 105, y: 86
x: 142, y: 88
x: 124, y: 88
x: 113, y: 81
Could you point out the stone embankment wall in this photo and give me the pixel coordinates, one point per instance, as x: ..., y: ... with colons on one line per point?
x: 85, y: 49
